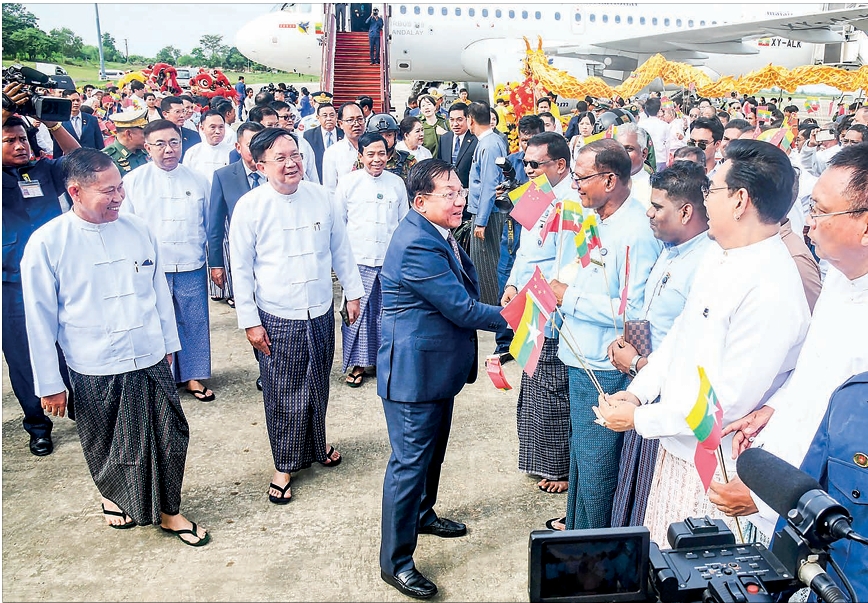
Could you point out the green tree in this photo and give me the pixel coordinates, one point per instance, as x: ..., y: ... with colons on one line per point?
x: 109, y: 49
x: 16, y: 19
x: 32, y: 43
x: 198, y: 57
x: 186, y: 60
x: 234, y: 60
x: 168, y: 54
x: 66, y: 42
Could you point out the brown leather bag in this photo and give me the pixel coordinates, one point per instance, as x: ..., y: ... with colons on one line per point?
x: 638, y: 334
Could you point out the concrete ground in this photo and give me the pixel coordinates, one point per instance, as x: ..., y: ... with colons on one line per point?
x: 321, y: 547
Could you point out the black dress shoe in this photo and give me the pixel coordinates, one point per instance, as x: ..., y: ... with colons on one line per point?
x: 41, y: 446
x: 411, y: 583
x: 259, y: 383
x: 444, y: 528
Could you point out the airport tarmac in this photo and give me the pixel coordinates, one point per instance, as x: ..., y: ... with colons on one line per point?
x: 323, y: 546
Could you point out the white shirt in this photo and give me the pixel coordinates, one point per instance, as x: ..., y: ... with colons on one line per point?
x: 420, y: 153
x: 325, y: 136
x: 835, y: 349
x: 676, y: 135
x: 658, y: 130
x: 205, y: 159
x: 230, y: 137
x: 371, y: 209
x: 99, y: 291
x: 338, y: 159
x: 744, y: 322
x: 641, y: 188
x: 175, y: 206
x: 282, y: 251
x: 310, y: 173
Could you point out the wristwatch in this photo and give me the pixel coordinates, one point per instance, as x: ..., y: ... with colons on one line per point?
x: 55, y: 127
x: 634, y: 365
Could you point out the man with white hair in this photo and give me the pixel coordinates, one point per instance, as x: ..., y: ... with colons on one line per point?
x: 635, y: 141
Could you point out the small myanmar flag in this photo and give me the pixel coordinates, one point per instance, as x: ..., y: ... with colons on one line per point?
x: 593, y: 231
x: 706, y: 416
x: 566, y: 215
x: 528, y: 340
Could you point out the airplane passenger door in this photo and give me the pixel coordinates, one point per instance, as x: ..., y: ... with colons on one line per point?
x: 578, y: 19
x: 358, y: 15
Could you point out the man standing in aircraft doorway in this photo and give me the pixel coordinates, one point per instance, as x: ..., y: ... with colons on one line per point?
x: 375, y: 26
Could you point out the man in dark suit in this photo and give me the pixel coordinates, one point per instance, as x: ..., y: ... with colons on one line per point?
x: 325, y: 134
x: 460, y: 155
x: 431, y: 312
x: 173, y: 110
x: 83, y: 127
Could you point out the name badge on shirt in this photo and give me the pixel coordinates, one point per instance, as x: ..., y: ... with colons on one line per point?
x: 30, y: 188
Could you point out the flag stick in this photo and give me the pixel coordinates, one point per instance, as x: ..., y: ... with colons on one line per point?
x: 579, y: 355
x: 726, y: 481
x: 560, y: 244
x: 611, y: 305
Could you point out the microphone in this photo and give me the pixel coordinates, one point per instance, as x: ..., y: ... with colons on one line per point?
x: 33, y: 76
x: 796, y: 496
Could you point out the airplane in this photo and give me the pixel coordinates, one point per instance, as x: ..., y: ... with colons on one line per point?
x: 482, y: 45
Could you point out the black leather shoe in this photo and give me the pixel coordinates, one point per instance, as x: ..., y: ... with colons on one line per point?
x: 411, y: 583
x: 41, y: 446
x: 444, y: 528
x: 259, y: 383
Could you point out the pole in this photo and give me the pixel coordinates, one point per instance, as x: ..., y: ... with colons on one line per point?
x: 99, y: 44
x: 726, y: 480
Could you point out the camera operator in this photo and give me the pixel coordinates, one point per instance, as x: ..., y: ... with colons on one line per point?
x: 32, y: 192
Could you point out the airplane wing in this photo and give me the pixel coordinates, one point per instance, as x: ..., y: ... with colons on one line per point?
x: 814, y: 28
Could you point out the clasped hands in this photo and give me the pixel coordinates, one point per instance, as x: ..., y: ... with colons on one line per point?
x: 616, y: 411
x: 258, y: 336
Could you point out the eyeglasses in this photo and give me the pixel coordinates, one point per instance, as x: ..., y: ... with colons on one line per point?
x: 535, y: 165
x: 580, y: 179
x: 813, y: 213
x: 289, y: 117
x: 160, y: 144
x: 294, y: 158
x: 850, y: 141
x: 450, y: 196
x: 354, y: 120
x: 708, y: 190
x: 702, y: 144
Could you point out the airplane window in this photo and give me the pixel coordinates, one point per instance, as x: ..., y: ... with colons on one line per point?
x: 690, y: 23
x: 702, y: 23
x: 524, y: 14
x: 629, y: 19
x: 678, y: 22
x: 444, y: 11
x: 714, y: 22
x: 430, y: 10
x: 593, y: 17
x: 484, y: 12
x: 457, y: 11
x: 471, y: 12
x: 605, y: 18
x: 512, y: 14
x: 416, y: 10
x: 654, y: 21
x: 537, y: 15
x: 498, y: 13
x: 666, y: 21
x: 641, y: 20
x: 578, y: 17
x: 403, y: 10
x: 557, y: 16
x: 617, y: 18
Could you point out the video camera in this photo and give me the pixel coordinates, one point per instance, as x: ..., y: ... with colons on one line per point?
x: 501, y: 199
x: 44, y: 108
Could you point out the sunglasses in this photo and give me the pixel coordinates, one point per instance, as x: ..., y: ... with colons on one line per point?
x: 702, y: 144
x: 535, y: 165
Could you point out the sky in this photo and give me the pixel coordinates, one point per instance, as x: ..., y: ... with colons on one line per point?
x: 150, y: 27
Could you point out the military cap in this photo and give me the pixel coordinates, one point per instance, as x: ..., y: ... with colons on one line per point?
x: 130, y: 118
x: 322, y: 97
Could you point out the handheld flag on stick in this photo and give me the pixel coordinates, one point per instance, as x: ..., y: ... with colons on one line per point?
x: 705, y: 419
x: 533, y: 202
x: 541, y: 290
x: 610, y: 132
x: 763, y: 113
x: 567, y: 215
x: 593, y: 231
x: 495, y: 373
x: 529, y: 337
x: 623, y: 307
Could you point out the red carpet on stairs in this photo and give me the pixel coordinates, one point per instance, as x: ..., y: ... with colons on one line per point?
x: 354, y: 75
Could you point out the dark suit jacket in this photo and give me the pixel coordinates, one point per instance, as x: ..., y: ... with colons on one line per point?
x: 91, y: 135
x: 431, y: 312
x: 188, y: 139
x: 230, y: 183
x: 465, y: 154
x: 314, y: 138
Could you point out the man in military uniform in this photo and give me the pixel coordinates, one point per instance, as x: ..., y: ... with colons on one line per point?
x: 128, y: 149
x: 319, y: 97
x: 400, y: 162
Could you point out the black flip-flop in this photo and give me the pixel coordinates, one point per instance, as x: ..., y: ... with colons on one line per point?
x: 550, y: 524
x: 357, y: 379
x: 204, y: 397
x: 203, y: 540
x: 123, y: 526
x: 329, y: 462
x: 280, y: 500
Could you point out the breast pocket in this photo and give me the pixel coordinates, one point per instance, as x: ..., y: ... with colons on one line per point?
x: 10, y: 245
x: 848, y: 484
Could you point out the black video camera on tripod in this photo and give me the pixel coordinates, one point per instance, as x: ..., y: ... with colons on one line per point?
x: 44, y: 108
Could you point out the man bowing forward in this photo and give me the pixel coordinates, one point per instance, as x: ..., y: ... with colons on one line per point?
x: 431, y: 312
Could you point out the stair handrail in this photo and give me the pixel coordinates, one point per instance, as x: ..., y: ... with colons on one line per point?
x: 385, y: 79
x: 328, y: 49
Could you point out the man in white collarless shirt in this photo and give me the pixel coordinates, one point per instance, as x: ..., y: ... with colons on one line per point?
x: 340, y: 158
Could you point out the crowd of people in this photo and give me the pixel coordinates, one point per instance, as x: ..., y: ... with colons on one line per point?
x: 731, y: 254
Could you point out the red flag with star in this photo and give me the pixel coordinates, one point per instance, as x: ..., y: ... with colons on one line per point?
x: 541, y: 290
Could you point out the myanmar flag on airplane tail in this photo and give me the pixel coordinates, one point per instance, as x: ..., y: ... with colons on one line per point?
x: 705, y: 419
x: 528, y: 340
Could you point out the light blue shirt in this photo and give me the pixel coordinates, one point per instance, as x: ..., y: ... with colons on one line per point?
x: 533, y: 252
x: 485, y: 176
x: 669, y: 283
x: 593, y: 295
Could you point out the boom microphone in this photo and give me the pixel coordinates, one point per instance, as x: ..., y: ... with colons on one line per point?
x: 33, y: 76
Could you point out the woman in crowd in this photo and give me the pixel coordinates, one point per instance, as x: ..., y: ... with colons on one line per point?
x: 586, y: 128
x: 433, y: 125
x: 413, y: 134
x: 154, y: 112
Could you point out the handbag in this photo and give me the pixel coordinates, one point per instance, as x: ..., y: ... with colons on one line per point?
x: 638, y: 334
